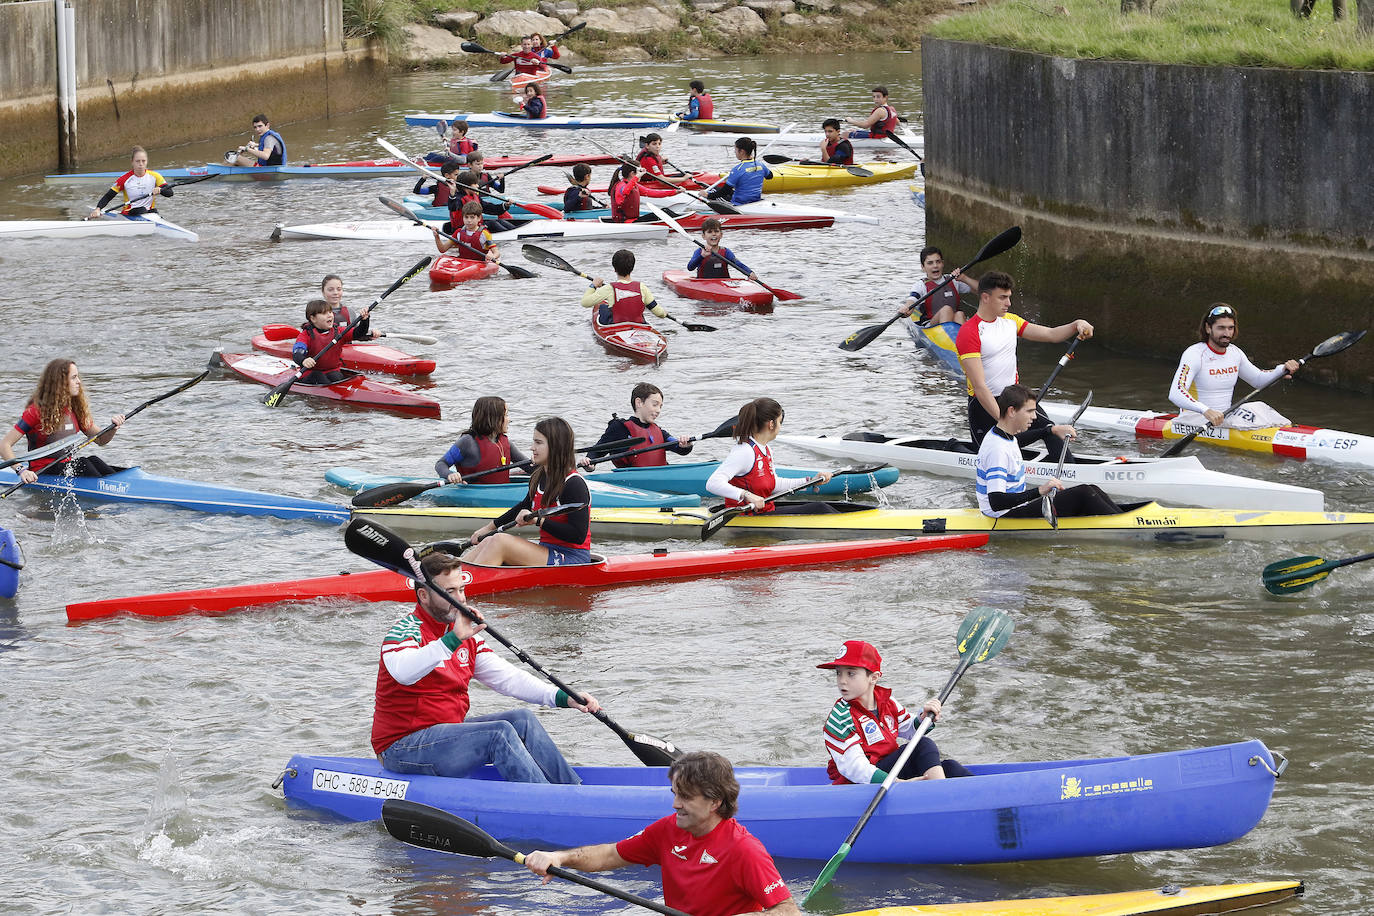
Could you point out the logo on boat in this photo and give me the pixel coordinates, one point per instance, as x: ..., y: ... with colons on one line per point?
x: 106, y: 486
x: 1073, y: 787
x: 373, y: 535
x: 1155, y: 522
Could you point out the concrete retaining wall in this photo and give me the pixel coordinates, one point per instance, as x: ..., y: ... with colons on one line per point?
x: 1148, y: 191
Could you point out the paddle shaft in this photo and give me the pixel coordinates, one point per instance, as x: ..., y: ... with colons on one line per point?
x: 1058, y: 367
x: 139, y: 201
x: 718, y: 519
x: 1050, y: 515
x: 678, y: 228
x: 626, y: 160
x: 1187, y: 440
x: 474, y: 47
x: 713, y: 434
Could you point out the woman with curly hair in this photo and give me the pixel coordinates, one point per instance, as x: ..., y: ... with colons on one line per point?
x: 58, y: 409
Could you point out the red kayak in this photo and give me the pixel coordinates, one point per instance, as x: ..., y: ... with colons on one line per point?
x: 637, y: 341
x: 357, y: 389
x: 658, y: 566
x: 756, y: 221
x: 277, y: 339
x: 449, y: 269
x: 690, y: 286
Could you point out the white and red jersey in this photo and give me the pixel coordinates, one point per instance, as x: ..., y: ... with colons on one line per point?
x: 421, y: 682
x: 1206, y: 377
x: 994, y: 342
x: 748, y: 467
x: 139, y: 191
x: 725, y: 872
x: 527, y: 63
x: 857, y: 737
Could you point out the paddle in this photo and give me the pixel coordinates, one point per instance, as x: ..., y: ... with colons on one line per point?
x: 542, y: 159
x: 391, y: 494
x: 433, y: 828
x: 138, y: 201
x: 1298, y: 573
x: 1329, y: 347
x: 718, y: 518
x: 725, y: 429
x: 595, y: 201
x: 1047, y: 505
x: 278, y: 394
x: 67, y: 445
x: 782, y: 295
x: 413, y: 338
x: 539, y: 515
x: 500, y: 76
x: 400, y: 209
x: 903, y: 144
x: 855, y: 170
x: 716, y: 205
x: 1058, y: 367
x: 757, y: 154
x: 424, y: 170
x: 376, y: 543
x: 981, y: 636
x: 549, y: 259
x: 1004, y: 241
x: 473, y: 47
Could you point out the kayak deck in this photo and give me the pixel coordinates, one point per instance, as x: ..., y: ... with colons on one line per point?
x: 626, y: 338
x: 357, y: 390
x: 277, y: 340
x: 1170, y: 900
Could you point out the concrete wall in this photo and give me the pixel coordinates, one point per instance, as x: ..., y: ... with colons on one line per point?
x: 1148, y: 191
x: 160, y: 72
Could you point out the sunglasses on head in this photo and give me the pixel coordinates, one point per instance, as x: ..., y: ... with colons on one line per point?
x: 1221, y: 310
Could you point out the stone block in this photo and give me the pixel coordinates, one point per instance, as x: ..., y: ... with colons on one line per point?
x: 824, y: 22
x: 629, y: 54
x: 562, y: 10
x: 711, y: 6
x: 855, y: 9
x: 821, y: 6
x: 427, y: 43
x: 459, y: 22
x: 514, y: 23
x: 793, y: 20
x: 630, y: 20
x: 764, y: 7
x: 739, y: 20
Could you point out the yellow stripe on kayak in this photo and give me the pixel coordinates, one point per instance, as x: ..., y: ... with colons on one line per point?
x: 791, y: 177
x: 1245, y: 440
x: 1192, y: 901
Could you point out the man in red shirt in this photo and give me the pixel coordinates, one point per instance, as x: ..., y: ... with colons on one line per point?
x: 712, y: 865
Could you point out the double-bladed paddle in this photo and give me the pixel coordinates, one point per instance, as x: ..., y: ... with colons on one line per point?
x: 138, y: 201
x: 725, y: 429
x: 1058, y: 367
x: 549, y: 259
x: 1047, y: 505
x: 456, y: 548
x: 981, y: 636
x: 857, y: 171
x: 1299, y: 573
x: 719, y: 518
x: 473, y: 47
x: 375, y: 542
x: 71, y: 444
x: 1004, y: 241
x: 433, y: 828
x: 401, y: 210
x: 278, y: 394
x: 391, y: 494
x: 1329, y: 347
x: 413, y: 338
x: 782, y: 295
x: 533, y: 208
x: 718, y: 206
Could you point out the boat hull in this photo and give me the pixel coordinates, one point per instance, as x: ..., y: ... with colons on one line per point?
x: 742, y: 292
x: 134, y: 485
x: 659, y: 566
x: 362, y: 168
x: 1004, y: 813
x: 1177, y: 480
x: 277, y: 339
x: 1178, y: 901
x: 553, y: 122
x: 72, y: 228
x: 533, y: 231
x: 450, y: 270
x: 814, y: 141
x: 9, y: 552
x: 357, y: 390
x: 938, y: 341
x: 691, y: 477
x: 626, y: 338
x: 505, y: 495
x: 789, y: 177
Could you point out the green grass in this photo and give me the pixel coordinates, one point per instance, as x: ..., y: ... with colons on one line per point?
x: 1244, y: 33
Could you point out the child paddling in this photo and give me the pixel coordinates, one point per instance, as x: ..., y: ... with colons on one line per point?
x: 646, y: 400
x: 715, y: 260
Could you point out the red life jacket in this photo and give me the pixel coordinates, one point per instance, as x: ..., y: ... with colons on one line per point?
x: 31, y: 425
x: 477, y: 239
x: 625, y: 201
x: 713, y: 266
x: 886, y: 126
x: 650, y: 163
x: 462, y: 146
x: 706, y: 109
x: 526, y: 62
x: 877, y: 734
x: 537, y: 503
x: 653, y: 435
x: 491, y: 455
x: 760, y: 480
x: 316, y: 340
x: 830, y: 148
x: 627, y: 303
x: 947, y: 296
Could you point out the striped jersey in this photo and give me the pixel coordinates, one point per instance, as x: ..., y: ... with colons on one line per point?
x: 1000, y: 469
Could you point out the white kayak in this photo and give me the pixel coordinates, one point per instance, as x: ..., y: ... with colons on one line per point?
x: 683, y: 203
x: 1300, y: 442
x: 111, y: 225
x: 1177, y: 480
x: 533, y: 231
x: 552, y: 122
x: 913, y: 140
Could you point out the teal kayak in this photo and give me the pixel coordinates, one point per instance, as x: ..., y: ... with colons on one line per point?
x: 499, y: 495
x: 690, y: 477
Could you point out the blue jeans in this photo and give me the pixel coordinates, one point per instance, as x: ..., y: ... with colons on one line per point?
x: 514, y: 742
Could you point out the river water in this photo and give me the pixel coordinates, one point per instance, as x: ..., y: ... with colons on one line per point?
x: 140, y: 754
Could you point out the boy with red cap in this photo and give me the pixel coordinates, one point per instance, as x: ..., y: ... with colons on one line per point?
x: 865, y: 724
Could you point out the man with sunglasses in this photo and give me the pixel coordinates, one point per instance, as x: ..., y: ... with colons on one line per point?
x: 1205, y: 383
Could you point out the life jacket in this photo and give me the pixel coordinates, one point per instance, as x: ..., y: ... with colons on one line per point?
x: 316, y: 340
x: 885, y: 127
x: 491, y: 455
x: 477, y: 239
x: 537, y: 503
x: 625, y: 201
x: 535, y: 107
x: 760, y: 480
x: 442, y: 194
x: 713, y: 266
x: 37, y: 437
x: 831, y: 146
x: 706, y: 109
x: 650, y: 163
x: 628, y: 303
x: 262, y: 145
x: 876, y: 729
x: 947, y: 296
x: 653, y: 435
x: 462, y: 146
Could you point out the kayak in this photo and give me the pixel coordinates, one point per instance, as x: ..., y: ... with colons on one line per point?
x: 714, y: 124
x: 11, y: 561
x: 277, y: 340
x: 783, y: 222
x: 1300, y: 442
x: 519, y: 81
x: 769, y: 207
x: 552, y: 122
x: 691, y: 476
x: 73, y: 228
x: 649, y: 189
x: 505, y: 495
x: 793, y: 138
x: 134, y: 485
x: 938, y: 341
x: 918, y: 194
x: 626, y: 338
x: 1180, y: 480
x: 533, y: 231
x: 357, y: 389
x: 818, y: 177
x: 451, y: 269
x: 1008, y: 812
x: 605, y: 572
x: 1147, y: 521
x: 727, y: 289
x: 1170, y: 899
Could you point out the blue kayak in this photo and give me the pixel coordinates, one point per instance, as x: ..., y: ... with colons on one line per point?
x: 373, y: 168
x: 938, y: 341
x: 1003, y: 813
x: 11, y: 561
x: 134, y: 485
x: 501, y: 495
x: 690, y: 477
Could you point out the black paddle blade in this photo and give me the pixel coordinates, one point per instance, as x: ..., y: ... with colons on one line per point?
x: 1294, y: 575
x: 865, y: 336
x: 473, y: 47
x: 1339, y: 342
x: 400, y: 209
x: 277, y: 396
x: 692, y: 325
x: 433, y: 828
x: 1003, y: 241
x: 723, y: 208
x: 389, y: 494
x: 776, y: 158
x: 568, y: 31
x: 653, y: 752
x: 546, y: 258
x: 725, y: 429
x: 500, y: 75
x: 382, y: 546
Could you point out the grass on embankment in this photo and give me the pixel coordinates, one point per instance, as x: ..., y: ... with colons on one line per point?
x: 1242, y: 33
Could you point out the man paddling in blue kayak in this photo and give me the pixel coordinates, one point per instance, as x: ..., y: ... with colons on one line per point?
x: 267, y: 148
x: 421, y: 722
x: 711, y: 864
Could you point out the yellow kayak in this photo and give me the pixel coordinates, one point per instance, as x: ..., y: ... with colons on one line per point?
x: 1194, y: 901
x: 790, y: 177
x: 1146, y: 520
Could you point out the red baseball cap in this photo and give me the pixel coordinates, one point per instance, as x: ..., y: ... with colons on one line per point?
x: 857, y: 654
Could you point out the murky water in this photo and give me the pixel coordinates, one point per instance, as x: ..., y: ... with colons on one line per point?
x: 139, y: 754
